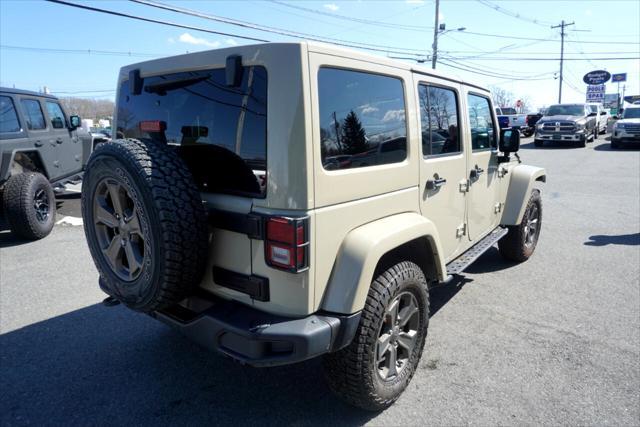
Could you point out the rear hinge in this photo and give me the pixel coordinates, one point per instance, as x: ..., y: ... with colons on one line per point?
x: 461, y: 231
x: 502, y: 172
x: 497, y: 208
x: 464, y: 186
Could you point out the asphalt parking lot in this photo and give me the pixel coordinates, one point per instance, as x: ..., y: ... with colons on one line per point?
x: 555, y: 340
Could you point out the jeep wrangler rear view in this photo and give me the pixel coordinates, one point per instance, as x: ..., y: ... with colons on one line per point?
x: 284, y: 201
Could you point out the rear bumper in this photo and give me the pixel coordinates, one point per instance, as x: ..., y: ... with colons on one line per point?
x: 261, y: 339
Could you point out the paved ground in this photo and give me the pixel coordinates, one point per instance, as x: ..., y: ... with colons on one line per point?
x: 553, y: 341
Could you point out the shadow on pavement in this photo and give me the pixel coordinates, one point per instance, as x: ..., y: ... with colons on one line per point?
x: 490, y: 261
x: 441, y: 295
x: 8, y: 239
x: 111, y: 366
x: 621, y: 239
x: 625, y: 147
x: 551, y: 145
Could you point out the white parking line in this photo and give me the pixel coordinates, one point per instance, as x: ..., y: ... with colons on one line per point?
x: 70, y: 220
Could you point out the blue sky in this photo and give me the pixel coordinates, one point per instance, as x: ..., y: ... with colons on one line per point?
x: 607, y: 29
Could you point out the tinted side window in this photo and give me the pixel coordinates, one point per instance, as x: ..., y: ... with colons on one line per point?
x: 362, y: 119
x: 483, y: 134
x: 56, y: 115
x: 439, y: 120
x: 33, y: 114
x: 8, y: 117
x: 220, y: 131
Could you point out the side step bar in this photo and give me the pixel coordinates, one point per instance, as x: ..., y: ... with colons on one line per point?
x: 459, y: 264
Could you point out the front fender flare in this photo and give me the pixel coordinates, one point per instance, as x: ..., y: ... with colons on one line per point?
x: 521, y: 184
x: 361, y: 250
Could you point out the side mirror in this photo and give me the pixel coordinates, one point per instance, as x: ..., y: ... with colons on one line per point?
x: 602, y: 113
x: 74, y: 122
x: 509, y: 141
x: 593, y: 113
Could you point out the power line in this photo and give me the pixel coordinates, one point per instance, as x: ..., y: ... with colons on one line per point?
x: 155, y: 21
x: 473, y: 58
x: 504, y: 36
x: 279, y: 31
x: 82, y: 51
x: 445, y: 62
x: 513, y: 14
x: 359, y: 20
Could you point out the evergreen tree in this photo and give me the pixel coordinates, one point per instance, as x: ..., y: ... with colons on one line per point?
x: 353, y: 134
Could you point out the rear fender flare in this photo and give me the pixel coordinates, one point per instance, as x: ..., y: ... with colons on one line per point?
x: 361, y: 250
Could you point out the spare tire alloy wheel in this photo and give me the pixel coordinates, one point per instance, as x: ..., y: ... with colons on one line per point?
x: 117, y: 229
x: 145, y: 223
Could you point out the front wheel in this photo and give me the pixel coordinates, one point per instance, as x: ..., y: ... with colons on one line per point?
x: 518, y: 245
x: 595, y: 133
x: 538, y: 142
x: 374, y: 370
x: 30, y: 205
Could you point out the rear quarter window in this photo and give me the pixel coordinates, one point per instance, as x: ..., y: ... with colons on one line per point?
x: 33, y: 114
x: 220, y: 131
x: 362, y: 119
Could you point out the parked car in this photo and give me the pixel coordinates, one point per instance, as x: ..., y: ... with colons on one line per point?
x: 40, y: 149
x: 627, y: 129
x: 516, y: 120
x: 574, y: 123
x: 531, y: 120
x: 319, y: 261
x: 601, y: 116
x: 503, y: 121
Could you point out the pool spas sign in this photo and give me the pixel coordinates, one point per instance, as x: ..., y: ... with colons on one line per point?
x: 597, y: 77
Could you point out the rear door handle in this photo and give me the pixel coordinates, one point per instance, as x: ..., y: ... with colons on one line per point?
x: 59, y: 141
x: 476, y: 172
x: 38, y: 143
x: 432, y: 184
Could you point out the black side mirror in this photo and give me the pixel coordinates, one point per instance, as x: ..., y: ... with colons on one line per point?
x: 74, y: 122
x: 602, y: 113
x: 593, y: 113
x: 509, y: 141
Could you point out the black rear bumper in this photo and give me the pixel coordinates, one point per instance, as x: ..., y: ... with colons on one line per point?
x: 258, y: 338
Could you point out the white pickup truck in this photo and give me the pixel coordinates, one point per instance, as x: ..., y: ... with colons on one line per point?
x: 515, y: 120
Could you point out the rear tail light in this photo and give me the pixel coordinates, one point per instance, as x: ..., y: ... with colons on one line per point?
x: 153, y: 126
x: 287, y: 243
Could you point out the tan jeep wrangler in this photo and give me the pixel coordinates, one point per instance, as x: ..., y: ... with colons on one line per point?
x: 283, y: 201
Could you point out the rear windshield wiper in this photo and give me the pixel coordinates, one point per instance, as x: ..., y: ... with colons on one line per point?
x: 162, y: 87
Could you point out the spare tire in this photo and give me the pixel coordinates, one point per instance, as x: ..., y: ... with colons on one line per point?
x: 145, y: 223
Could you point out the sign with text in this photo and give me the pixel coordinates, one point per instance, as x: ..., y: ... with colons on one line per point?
x: 595, y: 93
x: 621, y: 77
x: 597, y: 77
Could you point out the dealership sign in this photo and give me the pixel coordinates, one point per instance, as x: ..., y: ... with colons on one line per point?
x: 595, y: 93
x: 596, y: 77
x: 622, y: 77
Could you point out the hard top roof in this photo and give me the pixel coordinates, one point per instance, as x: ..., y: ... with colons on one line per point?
x: 26, y: 92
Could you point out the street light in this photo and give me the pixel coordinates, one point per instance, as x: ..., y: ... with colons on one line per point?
x: 441, y: 31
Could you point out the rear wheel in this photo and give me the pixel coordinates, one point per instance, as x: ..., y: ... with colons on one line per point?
x: 30, y: 205
x: 615, y: 144
x: 144, y: 222
x: 374, y: 370
x: 518, y: 245
x: 538, y: 142
x: 595, y: 133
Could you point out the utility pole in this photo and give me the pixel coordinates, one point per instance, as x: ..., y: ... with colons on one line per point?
x: 435, y: 37
x: 562, y: 34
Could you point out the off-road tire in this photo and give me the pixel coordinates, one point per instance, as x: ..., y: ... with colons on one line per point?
x: 352, y: 372
x: 538, y: 143
x: 596, y: 132
x: 582, y: 143
x: 18, y: 199
x: 171, y: 215
x: 514, y: 245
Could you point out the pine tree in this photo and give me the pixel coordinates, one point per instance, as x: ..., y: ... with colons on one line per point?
x: 353, y: 135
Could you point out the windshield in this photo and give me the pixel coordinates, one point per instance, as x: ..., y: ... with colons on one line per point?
x: 565, y: 110
x: 631, y: 113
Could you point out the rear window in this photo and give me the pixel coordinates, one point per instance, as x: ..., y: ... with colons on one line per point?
x: 220, y: 131
x: 8, y: 117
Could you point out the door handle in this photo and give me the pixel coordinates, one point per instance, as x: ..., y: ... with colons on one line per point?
x: 476, y: 172
x: 432, y: 184
x: 38, y: 143
x: 59, y: 141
